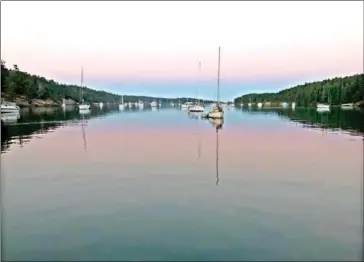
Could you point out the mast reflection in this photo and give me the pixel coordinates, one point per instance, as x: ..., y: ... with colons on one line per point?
x: 217, y: 123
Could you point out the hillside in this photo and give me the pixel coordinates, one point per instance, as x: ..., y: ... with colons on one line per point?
x: 335, y: 91
x: 26, y: 89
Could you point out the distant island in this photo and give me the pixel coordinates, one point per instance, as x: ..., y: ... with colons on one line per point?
x: 335, y: 91
x: 31, y: 90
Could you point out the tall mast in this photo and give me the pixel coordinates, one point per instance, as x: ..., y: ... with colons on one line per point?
x: 81, y: 94
x: 218, y: 79
x: 199, y: 70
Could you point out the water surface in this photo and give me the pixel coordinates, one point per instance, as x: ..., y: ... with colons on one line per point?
x: 165, y: 185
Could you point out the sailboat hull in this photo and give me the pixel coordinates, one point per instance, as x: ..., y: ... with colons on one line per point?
x: 216, y: 114
x: 121, y: 106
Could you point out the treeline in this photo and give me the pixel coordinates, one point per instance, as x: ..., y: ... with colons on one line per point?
x: 335, y: 91
x: 16, y: 83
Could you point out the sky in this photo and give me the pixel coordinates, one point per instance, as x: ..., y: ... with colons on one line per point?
x: 154, y: 48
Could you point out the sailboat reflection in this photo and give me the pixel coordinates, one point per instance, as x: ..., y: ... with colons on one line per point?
x: 10, y: 118
x: 217, y: 123
x: 195, y: 115
x: 83, y: 126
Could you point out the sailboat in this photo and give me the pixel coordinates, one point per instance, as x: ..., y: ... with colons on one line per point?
x: 153, y: 103
x: 217, y: 111
x: 121, y: 105
x: 63, y: 102
x: 197, y: 107
x: 82, y: 106
x: 250, y: 102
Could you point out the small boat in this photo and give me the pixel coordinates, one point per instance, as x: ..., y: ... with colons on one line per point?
x: 9, y: 107
x: 160, y: 104
x: 121, y: 105
x: 293, y: 105
x: 141, y: 104
x: 284, y: 105
x: 82, y: 106
x: 196, y: 108
x: 241, y: 104
x: 153, y: 103
x: 217, y: 112
x: 187, y: 105
x: 260, y: 105
x: 250, y: 102
x: 326, y: 106
x: 63, y: 103
x: 347, y: 106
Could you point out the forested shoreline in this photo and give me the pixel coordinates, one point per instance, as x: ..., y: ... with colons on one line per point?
x: 335, y: 91
x: 27, y: 90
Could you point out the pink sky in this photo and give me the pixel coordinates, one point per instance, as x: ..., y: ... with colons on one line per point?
x: 166, y: 40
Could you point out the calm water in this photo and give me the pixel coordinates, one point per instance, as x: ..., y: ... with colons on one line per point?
x: 145, y: 185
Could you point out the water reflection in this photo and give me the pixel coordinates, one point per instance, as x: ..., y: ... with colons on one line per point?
x: 217, y: 123
x: 350, y: 121
x: 83, y: 123
x: 10, y: 117
x: 35, y: 122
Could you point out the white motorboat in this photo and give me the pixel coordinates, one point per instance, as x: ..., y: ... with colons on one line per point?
x: 187, y: 105
x: 9, y: 107
x: 196, y: 108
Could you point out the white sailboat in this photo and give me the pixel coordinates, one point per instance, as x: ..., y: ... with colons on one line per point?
x: 121, y: 105
x: 153, y: 103
x: 197, y: 108
x: 82, y: 105
x: 63, y: 103
x: 260, y: 105
x: 141, y: 104
x: 217, y: 112
x: 250, y: 102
